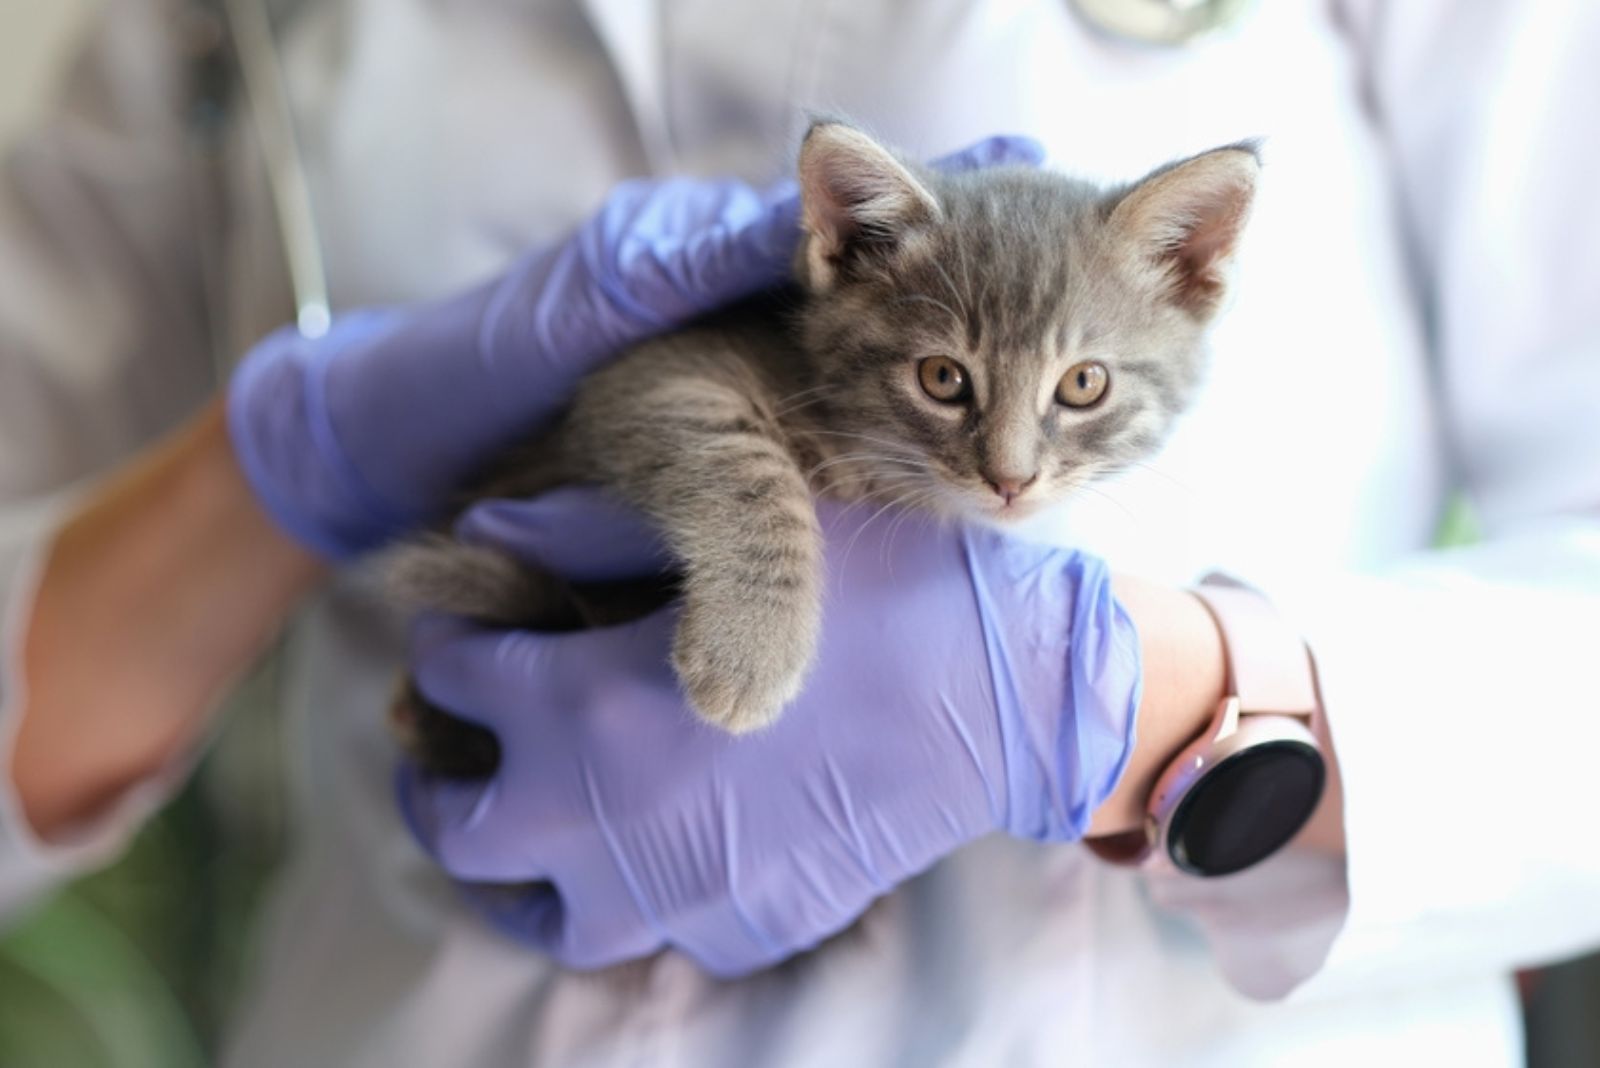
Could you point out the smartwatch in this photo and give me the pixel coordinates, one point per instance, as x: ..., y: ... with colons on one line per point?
x: 1241, y: 790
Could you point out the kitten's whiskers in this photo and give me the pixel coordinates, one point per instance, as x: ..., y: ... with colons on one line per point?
x: 850, y: 546
x: 913, y: 507
x: 899, y: 447
x: 875, y: 478
x: 793, y: 402
x: 1154, y: 470
x: 850, y: 457
x: 1103, y: 495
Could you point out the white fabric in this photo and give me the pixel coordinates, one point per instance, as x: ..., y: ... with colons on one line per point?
x: 27, y: 865
x: 1415, y: 311
x: 100, y: 350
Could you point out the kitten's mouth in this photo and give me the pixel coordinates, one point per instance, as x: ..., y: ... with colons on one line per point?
x: 1014, y: 511
x: 990, y: 509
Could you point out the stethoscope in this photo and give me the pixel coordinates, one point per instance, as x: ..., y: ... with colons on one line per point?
x: 267, y: 100
x: 1160, y: 23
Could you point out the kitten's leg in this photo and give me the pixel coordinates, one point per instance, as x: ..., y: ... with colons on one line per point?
x: 751, y: 601
x: 441, y: 743
x: 438, y: 574
x: 453, y: 747
x: 689, y: 436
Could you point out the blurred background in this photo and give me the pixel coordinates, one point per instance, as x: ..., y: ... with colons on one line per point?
x: 138, y: 965
x: 36, y: 37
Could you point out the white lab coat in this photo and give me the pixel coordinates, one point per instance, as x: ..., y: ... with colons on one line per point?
x: 1416, y: 311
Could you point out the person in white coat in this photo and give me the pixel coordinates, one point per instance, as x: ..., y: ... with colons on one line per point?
x: 1414, y: 318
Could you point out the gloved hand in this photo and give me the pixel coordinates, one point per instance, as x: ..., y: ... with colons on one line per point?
x: 362, y: 434
x: 966, y: 683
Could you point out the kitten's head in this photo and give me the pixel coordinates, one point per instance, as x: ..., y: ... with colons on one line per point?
x: 988, y: 341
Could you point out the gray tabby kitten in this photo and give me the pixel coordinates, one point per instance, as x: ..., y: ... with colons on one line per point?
x: 976, y: 345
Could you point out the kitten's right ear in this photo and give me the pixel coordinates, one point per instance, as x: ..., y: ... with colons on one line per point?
x: 1183, y: 222
x: 854, y: 195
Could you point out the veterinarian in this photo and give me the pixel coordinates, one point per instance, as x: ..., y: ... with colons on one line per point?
x: 429, y: 193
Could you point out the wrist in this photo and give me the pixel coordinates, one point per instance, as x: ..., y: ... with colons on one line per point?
x: 1185, y: 677
x: 131, y: 586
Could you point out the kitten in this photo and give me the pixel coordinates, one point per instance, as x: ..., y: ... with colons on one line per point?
x: 978, y: 344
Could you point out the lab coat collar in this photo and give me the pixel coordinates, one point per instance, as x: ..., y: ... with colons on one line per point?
x: 631, y: 32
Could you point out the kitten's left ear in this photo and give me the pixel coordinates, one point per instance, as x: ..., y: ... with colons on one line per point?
x: 1183, y: 222
x: 855, y: 197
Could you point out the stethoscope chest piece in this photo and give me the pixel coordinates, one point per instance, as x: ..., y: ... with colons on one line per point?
x: 1168, y: 23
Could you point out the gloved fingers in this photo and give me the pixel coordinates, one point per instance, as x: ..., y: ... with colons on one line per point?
x: 580, y: 533
x: 998, y: 151
x: 452, y: 820
x: 457, y: 664
x: 586, y: 934
x: 471, y: 671
x: 530, y: 912
x: 664, y: 253
x: 738, y: 258
x: 727, y: 941
x: 598, y: 932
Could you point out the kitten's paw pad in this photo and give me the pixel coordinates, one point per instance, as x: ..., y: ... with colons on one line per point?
x: 734, y: 679
x: 735, y: 708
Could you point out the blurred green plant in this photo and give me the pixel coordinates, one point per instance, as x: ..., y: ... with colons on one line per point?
x: 1458, y: 525
x: 138, y: 965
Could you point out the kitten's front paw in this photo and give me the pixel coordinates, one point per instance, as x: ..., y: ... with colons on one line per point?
x: 740, y: 666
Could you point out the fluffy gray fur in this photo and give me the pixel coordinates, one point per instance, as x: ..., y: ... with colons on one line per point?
x: 721, y: 433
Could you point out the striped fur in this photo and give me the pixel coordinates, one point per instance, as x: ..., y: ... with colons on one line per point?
x: 722, y: 433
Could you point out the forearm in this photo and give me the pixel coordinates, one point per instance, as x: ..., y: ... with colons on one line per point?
x: 1184, y: 678
x: 156, y: 595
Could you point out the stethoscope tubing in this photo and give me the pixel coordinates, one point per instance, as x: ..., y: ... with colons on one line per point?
x: 1153, y: 22
x: 267, y: 100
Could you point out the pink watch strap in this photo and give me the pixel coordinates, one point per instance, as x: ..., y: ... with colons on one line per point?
x: 1269, y: 672
x: 1269, y: 669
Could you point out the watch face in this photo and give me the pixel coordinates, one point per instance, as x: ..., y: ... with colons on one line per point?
x: 1246, y: 808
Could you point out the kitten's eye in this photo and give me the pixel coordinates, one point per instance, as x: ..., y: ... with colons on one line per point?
x: 943, y: 379
x: 1083, y: 385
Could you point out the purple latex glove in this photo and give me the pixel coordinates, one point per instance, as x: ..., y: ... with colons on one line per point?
x: 362, y: 434
x: 967, y: 683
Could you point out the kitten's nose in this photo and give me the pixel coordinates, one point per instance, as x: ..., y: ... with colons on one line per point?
x: 1009, y: 487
